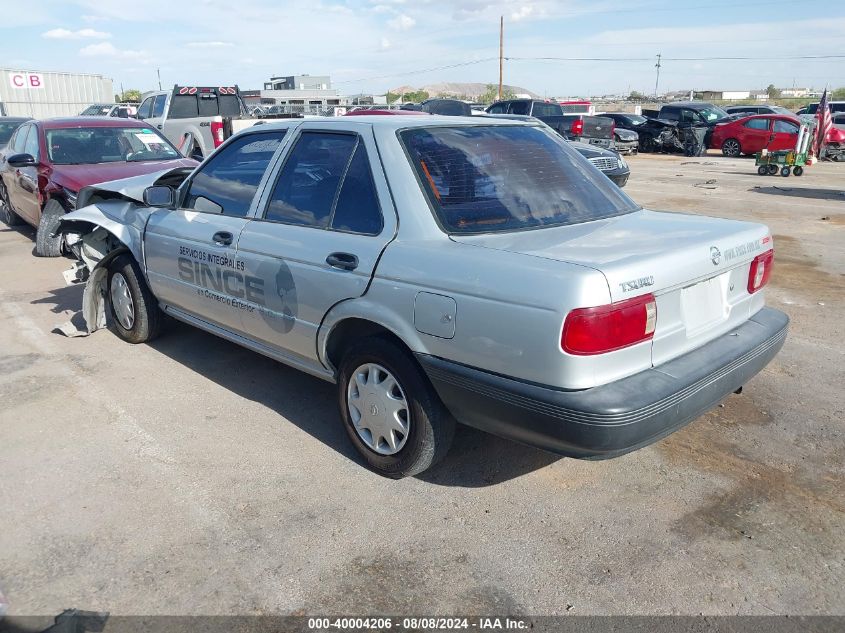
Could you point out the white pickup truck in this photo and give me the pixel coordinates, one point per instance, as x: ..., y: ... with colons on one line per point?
x: 196, y: 119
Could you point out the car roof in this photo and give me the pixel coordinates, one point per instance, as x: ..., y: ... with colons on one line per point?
x: 695, y: 105
x: 90, y: 121
x: 790, y: 117
x: 396, y: 122
x: 15, y: 119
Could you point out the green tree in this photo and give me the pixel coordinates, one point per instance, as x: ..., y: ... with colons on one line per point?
x: 491, y: 94
x: 838, y: 94
x: 636, y: 96
x: 131, y: 96
x: 773, y: 92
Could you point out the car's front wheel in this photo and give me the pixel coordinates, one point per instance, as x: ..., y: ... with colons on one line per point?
x: 133, y: 312
x: 47, y: 242
x: 391, y: 413
x: 731, y: 148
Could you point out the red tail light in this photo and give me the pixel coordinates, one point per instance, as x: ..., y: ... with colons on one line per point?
x: 761, y: 270
x: 217, y: 133
x: 577, y: 127
x: 588, y: 331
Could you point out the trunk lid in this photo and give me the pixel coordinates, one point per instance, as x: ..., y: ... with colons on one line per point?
x: 697, y: 267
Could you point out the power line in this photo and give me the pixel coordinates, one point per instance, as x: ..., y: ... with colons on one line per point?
x: 672, y: 59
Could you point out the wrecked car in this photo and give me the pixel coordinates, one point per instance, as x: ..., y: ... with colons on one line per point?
x: 439, y: 270
x: 46, y: 163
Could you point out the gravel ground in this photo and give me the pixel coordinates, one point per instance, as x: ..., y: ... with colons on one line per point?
x: 194, y: 477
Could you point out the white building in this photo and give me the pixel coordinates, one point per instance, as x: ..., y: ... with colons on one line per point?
x: 44, y: 94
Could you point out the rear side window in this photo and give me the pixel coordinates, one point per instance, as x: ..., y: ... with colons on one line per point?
x: 757, y: 124
x: 520, y: 107
x: 307, y: 188
x: 228, y: 182
x: 19, y: 142
x: 786, y: 127
x: 184, y: 107
x: 498, y: 108
x: 482, y: 179
x: 357, y: 209
x: 158, y: 106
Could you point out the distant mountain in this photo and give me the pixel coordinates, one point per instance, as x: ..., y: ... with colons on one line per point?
x: 469, y: 90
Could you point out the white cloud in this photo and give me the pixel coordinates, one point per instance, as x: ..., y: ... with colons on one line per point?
x: 212, y: 44
x: 81, y: 34
x: 402, y: 23
x: 523, y: 13
x: 385, y: 43
x: 108, y: 50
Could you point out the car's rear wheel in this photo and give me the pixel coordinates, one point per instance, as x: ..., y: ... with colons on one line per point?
x: 47, y: 242
x: 731, y: 148
x: 391, y: 413
x: 647, y: 143
x: 133, y: 312
x: 9, y: 217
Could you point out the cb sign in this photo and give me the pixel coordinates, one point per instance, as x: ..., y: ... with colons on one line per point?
x: 26, y: 80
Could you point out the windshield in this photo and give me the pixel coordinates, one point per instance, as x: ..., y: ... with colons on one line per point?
x: 505, y: 178
x: 635, y: 119
x: 781, y: 110
x: 98, y: 109
x: 713, y: 113
x: 90, y: 145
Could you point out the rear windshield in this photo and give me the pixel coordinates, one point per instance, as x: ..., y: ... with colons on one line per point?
x: 97, y: 109
x: 7, y: 129
x: 481, y: 179
x: 204, y: 104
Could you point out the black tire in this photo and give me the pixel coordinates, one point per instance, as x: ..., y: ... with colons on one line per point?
x: 430, y: 426
x: 646, y: 143
x: 798, y: 171
x: 146, y: 321
x: 46, y: 245
x: 773, y: 170
x: 731, y: 148
x: 763, y: 170
x: 9, y: 217
x: 784, y: 171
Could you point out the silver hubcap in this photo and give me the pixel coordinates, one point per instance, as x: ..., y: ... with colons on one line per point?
x: 732, y: 148
x: 378, y: 409
x: 121, y: 301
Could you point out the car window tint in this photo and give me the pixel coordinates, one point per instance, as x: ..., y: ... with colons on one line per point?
x: 498, y: 108
x: 757, y: 124
x: 480, y: 179
x: 357, y: 209
x: 520, y: 107
x: 786, y: 127
x: 306, y: 189
x: 19, y: 142
x: 31, y: 146
x: 146, y: 109
x: 228, y: 181
x: 158, y: 106
x: 670, y: 114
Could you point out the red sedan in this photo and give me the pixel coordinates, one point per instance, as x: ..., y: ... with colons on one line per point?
x: 752, y: 134
x: 46, y: 163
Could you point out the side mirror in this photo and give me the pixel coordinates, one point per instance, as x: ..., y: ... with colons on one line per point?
x: 160, y: 196
x: 22, y: 160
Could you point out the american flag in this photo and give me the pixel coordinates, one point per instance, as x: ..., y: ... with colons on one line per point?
x: 825, y: 122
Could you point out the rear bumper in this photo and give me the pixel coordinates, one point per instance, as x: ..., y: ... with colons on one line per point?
x: 615, y: 418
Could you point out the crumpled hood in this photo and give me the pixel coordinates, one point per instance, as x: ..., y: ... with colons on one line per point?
x: 75, y: 177
x: 133, y: 188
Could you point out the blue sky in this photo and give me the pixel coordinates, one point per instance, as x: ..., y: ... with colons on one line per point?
x: 372, y: 45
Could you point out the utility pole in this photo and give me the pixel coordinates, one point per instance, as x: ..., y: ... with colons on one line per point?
x: 657, y: 81
x: 158, y: 72
x: 501, y: 51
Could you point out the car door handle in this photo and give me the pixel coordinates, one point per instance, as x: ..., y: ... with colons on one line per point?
x: 343, y: 261
x: 222, y: 238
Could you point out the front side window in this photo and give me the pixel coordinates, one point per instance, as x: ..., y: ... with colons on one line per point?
x: 307, y: 188
x: 498, y: 108
x: 482, y: 179
x: 145, y: 110
x: 670, y: 114
x: 758, y: 124
x: 31, y: 146
x: 786, y: 127
x: 19, y: 141
x: 90, y: 145
x: 228, y: 182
